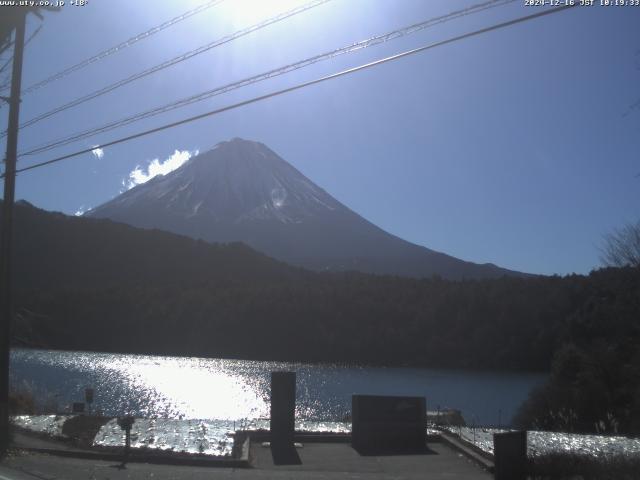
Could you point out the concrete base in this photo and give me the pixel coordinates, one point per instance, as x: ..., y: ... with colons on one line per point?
x: 334, y: 460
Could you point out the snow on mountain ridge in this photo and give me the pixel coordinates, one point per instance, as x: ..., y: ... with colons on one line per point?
x: 235, y: 181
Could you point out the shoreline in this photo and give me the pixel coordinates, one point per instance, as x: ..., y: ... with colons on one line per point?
x: 302, y: 363
x: 477, y: 439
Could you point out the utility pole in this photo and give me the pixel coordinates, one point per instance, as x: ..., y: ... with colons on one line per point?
x: 6, y: 308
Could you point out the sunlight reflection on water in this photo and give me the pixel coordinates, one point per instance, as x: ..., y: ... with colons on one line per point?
x: 544, y: 443
x: 150, y: 386
x: 235, y: 390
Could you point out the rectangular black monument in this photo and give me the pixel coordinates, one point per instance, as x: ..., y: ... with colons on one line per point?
x: 510, y: 455
x: 283, y: 408
x: 388, y: 425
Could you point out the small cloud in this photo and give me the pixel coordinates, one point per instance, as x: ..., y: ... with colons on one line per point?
x: 141, y: 175
x: 81, y: 211
x: 97, y: 152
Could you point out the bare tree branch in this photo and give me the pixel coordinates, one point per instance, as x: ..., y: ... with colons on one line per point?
x: 622, y: 247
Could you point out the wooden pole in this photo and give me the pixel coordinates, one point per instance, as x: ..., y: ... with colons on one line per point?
x: 6, y: 307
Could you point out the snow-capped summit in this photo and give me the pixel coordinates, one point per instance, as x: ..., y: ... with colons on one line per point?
x: 237, y: 181
x: 242, y: 191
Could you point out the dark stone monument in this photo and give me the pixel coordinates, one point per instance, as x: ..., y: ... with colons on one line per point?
x: 283, y: 409
x: 510, y: 455
x: 77, y: 407
x: 388, y: 425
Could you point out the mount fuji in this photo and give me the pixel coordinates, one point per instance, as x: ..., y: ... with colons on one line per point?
x: 243, y: 191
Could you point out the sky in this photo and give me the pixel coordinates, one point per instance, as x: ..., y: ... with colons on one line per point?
x: 518, y: 147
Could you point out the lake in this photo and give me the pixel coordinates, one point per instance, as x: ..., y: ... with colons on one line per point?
x: 238, y: 390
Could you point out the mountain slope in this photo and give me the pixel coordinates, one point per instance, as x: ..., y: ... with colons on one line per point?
x: 52, y: 250
x: 243, y: 191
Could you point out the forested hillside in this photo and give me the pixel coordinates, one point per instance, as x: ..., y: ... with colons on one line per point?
x: 97, y: 285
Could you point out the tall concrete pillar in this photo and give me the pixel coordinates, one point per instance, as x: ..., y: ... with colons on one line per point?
x: 283, y: 407
x: 510, y: 455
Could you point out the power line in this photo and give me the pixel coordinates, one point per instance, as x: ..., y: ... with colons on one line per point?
x: 26, y: 42
x: 174, y: 61
x: 267, y: 75
x: 10, y: 59
x: 6, y: 64
x: 120, y: 46
x: 303, y: 85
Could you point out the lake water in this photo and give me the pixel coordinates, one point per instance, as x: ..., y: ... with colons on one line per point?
x: 238, y: 390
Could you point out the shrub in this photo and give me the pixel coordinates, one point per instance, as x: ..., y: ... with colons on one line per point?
x: 21, y: 403
x: 573, y: 466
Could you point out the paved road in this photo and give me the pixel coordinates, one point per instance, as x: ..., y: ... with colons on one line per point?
x: 319, y: 462
x: 11, y: 474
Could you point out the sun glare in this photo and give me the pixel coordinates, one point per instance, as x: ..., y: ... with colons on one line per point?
x: 248, y: 12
